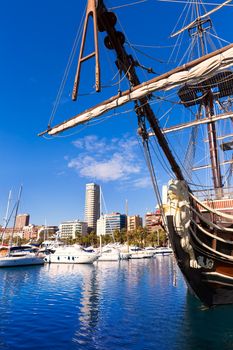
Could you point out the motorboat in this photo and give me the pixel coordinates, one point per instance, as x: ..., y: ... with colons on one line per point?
x: 49, y: 246
x: 71, y: 255
x: 19, y: 256
x: 163, y: 251
x: 151, y: 250
x: 109, y: 254
x: 139, y: 253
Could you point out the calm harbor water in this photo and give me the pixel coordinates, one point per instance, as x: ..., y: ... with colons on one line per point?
x: 128, y: 305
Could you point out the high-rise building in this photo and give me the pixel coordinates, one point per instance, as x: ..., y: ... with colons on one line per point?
x: 92, y: 205
x: 22, y: 220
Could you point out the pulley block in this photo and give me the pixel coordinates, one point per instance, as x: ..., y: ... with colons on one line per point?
x: 108, y: 43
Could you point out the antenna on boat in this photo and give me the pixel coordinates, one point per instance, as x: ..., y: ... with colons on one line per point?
x: 90, y: 11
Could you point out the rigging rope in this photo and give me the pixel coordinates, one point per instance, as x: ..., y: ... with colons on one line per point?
x: 127, y: 5
x: 191, y: 151
x: 152, y: 173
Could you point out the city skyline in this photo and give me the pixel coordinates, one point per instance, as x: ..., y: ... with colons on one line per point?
x: 124, y: 208
x: 25, y: 218
x: 54, y: 171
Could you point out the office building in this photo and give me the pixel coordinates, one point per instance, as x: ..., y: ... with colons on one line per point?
x: 108, y: 223
x: 92, y: 205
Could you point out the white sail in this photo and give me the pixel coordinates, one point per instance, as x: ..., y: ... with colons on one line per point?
x: 192, y: 73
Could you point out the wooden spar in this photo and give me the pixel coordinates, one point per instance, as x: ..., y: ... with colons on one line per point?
x: 223, y: 137
x: 214, y: 118
x: 126, y: 96
x: 91, y: 11
x: 201, y: 167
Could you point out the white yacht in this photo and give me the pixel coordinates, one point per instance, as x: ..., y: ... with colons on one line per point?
x: 163, y: 251
x: 151, y: 250
x: 124, y: 251
x: 49, y: 246
x: 19, y: 256
x: 109, y: 254
x: 71, y: 255
x: 139, y: 253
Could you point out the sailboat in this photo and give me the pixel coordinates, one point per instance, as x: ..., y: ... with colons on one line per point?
x: 14, y: 256
x: 198, y: 217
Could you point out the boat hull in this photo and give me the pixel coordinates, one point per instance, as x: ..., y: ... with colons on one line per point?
x: 125, y: 255
x: 109, y: 257
x: 70, y: 259
x: 12, y: 261
x: 212, y: 282
x: 141, y: 255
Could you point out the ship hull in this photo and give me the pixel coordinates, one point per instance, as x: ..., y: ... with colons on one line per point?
x: 212, y: 282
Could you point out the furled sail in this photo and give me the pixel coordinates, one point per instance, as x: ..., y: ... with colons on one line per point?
x: 193, y: 72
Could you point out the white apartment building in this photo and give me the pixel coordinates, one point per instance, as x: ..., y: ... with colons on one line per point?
x: 92, y: 205
x: 70, y: 229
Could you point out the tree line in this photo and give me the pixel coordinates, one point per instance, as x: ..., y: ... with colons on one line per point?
x: 140, y: 237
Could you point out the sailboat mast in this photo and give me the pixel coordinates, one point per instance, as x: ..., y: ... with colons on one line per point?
x: 16, y: 212
x: 6, y: 217
x: 126, y: 63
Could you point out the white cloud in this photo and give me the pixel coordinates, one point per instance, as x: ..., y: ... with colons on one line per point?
x: 92, y: 143
x: 106, y: 160
x: 143, y: 182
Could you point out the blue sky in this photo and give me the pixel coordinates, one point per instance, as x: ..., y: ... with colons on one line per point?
x: 36, y: 39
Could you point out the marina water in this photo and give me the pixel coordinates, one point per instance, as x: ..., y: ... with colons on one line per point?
x: 127, y: 305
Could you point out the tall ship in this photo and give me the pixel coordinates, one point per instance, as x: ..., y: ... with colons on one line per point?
x: 184, y: 117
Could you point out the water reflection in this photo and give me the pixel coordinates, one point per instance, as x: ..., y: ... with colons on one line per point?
x: 207, y: 328
x: 130, y: 305
x: 15, y: 283
x: 13, y: 279
x: 121, y: 298
x: 86, y: 278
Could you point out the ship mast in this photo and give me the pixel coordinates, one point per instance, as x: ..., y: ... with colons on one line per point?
x: 197, y: 79
x: 125, y: 63
x: 197, y: 28
x: 209, y: 108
